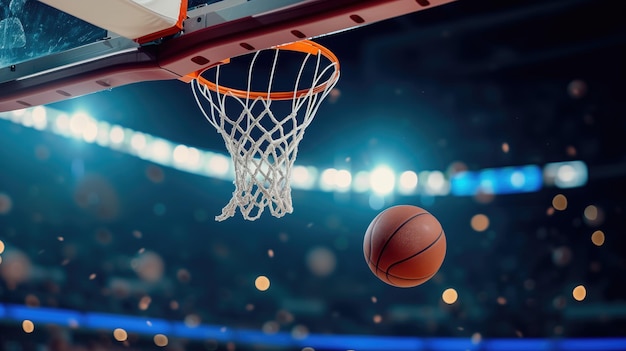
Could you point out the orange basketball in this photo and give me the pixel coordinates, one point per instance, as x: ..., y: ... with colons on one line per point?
x: 404, y: 246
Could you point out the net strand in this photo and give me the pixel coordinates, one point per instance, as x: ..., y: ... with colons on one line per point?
x: 262, y: 165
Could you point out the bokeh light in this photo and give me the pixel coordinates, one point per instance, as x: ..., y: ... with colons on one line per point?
x: 591, y: 213
x: 449, y: 296
x: 559, y: 202
x: 270, y: 327
x: 16, y: 268
x: 262, y: 283
x: 321, y: 261
x: 577, y: 88
x: 28, y: 326
x: 579, y: 293
x: 480, y: 222
x: 407, y: 182
x: 382, y: 180
x: 149, y: 266
x: 120, y: 334
x: 160, y: 340
x: 597, y: 238
x: 6, y: 204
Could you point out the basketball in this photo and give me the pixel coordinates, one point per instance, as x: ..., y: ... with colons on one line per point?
x: 404, y: 246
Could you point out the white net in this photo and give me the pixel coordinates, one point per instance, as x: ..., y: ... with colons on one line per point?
x: 261, y: 137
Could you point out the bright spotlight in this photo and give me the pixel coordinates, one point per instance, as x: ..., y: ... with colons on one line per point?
x: 327, y: 179
x: 568, y: 174
x: 407, y: 182
x: 361, y: 182
x: 138, y: 141
x: 103, y: 133
x: 40, y: 119
x: 382, y: 180
x: 116, y: 135
x: 193, y: 157
x: 303, y: 177
x: 518, y: 179
x: 343, y: 179
x: 181, y: 154
x: 83, y: 126
x: 218, y: 165
x: 62, y: 124
x: 161, y: 151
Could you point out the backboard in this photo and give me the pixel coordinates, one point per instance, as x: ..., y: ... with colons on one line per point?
x: 47, y: 55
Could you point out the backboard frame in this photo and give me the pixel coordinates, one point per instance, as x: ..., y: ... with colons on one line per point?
x: 210, y: 35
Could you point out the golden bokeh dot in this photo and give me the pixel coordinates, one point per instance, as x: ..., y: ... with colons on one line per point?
x: 120, y: 334
x: 1, y: 247
x: 591, y: 212
x: 160, y: 340
x: 597, y: 238
x: 270, y: 253
x: 579, y: 293
x: 377, y: 318
x: 449, y: 296
x: 28, y: 326
x: 559, y: 202
x: 144, y: 303
x: 505, y: 147
x: 262, y: 283
x: 480, y: 222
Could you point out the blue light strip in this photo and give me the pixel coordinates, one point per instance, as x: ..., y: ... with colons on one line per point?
x: 507, y: 180
x: 148, y: 326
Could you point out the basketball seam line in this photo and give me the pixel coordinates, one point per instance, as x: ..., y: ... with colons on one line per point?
x: 398, y: 277
x: 369, y: 255
x: 420, y: 278
x: 415, y: 254
x: 380, y: 254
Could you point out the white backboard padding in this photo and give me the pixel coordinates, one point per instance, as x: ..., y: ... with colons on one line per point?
x: 133, y: 19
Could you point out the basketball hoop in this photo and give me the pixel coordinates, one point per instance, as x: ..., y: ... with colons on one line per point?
x: 261, y: 127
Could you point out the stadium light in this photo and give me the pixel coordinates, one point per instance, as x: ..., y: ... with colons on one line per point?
x: 382, y: 180
x: 408, y: 182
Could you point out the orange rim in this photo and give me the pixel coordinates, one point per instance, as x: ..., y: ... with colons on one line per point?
x: 304, y: 46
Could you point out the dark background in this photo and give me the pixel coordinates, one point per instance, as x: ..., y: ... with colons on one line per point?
x: 450, y: 84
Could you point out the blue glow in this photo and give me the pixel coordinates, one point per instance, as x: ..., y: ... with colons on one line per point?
x: 464, y: 184
x: 142, y: 325
x: 452, y: 344
x: 606, y: 344
x: 362, y: 343
x: 44, y: 315
x: 148, y: 326
x: 518, y: 344
x: 201, y: 332
x: 508, y: 180
x: 246, y: 336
